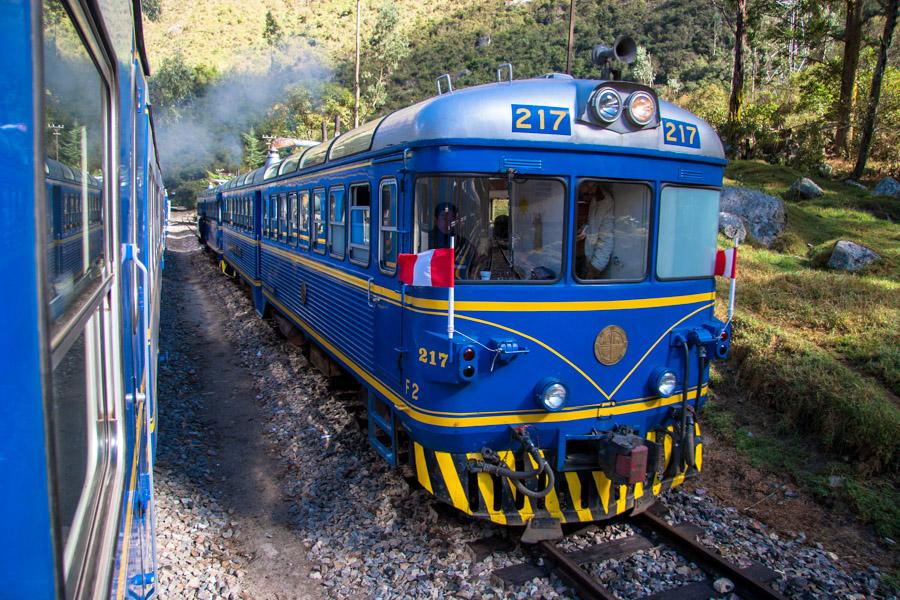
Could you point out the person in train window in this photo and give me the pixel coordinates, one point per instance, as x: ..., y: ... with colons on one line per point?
x: 445, y: 226
x: 595, y: 230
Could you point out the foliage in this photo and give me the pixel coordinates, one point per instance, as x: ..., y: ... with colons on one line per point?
x: 175, y: 83
x: 642, y: 68
x: 152, y: 9
x: 254, y: 150
x: 272, y: 31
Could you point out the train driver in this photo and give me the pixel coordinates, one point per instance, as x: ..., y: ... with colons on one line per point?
x: 446, y: 226
x: 595, y: 230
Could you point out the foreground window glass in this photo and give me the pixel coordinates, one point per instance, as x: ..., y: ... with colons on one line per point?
x: 504, y: 229
x: 611, y: 231
x: 73, y: 128
x: 688, y: 225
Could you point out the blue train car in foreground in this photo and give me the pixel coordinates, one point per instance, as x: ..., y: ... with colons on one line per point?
x: 83, y: 220
x: 584, y: 217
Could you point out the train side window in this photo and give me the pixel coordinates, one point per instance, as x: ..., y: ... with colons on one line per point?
x: 283, y: 217
x: 318, y: 232
x: 303, y: 219
x: 292, y: 200
x: 612, y: 231
x: 360, y: 225
x: 336, y: 222
x: 387, y: 231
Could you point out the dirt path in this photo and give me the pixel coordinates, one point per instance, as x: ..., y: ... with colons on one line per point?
x: 244, y: 471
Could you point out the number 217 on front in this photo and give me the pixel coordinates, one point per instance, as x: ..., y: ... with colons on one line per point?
x: 528, y: 118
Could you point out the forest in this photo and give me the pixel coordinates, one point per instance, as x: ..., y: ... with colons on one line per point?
x: 807, y: 83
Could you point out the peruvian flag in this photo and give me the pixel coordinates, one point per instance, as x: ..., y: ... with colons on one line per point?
x: 726, y: 263
x: 432, y: 268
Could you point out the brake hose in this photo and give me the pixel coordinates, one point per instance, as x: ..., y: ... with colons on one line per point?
x: 492, y: 465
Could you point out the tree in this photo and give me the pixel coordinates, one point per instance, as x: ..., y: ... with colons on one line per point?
x: 852, y: 39
x: 254, y: 151
x: 152, y: 9
x: 868, y: 124
x: 736, y: 100
x: 272, y: 31
x: 387, y: 46
x: 642, y: 68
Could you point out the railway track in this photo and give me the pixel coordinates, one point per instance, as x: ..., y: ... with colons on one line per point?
x: 749, y: 583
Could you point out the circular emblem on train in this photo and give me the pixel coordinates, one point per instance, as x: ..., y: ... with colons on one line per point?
x: 610, y: 345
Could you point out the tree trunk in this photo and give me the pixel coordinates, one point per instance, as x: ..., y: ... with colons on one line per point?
x: 736, y: 101
x: 852, y: 41
x: 868, y: 125
x: 356, y: 70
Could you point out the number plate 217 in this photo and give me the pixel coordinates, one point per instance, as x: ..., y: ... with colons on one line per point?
x: 679, y: 133
x: 528, y: 118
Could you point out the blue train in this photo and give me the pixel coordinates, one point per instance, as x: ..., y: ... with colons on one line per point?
x: 584, y: 218
x: 84, y: 216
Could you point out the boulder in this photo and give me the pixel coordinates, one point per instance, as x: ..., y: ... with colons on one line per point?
x: 731, y: 226
x: 762, y: 214
x: 850, y: 256
x: 804, y: 189
x: 856, y: 184
x: 888, y: 187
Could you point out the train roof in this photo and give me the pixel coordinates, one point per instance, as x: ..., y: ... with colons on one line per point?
x: 481, y: 115
x: 63, y: 172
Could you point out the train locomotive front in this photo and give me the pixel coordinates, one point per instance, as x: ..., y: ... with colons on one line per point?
x: 583, y: 321
x: 583, y: 215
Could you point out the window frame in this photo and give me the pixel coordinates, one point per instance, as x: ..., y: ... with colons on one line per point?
x: 293, y: 216
x: 651, y: 218
x: 353, y: 207
x: 388, y: 182
x: 656, y: 231
x: 303, y: 239
x: 565, y: 180
x: 320, y: 217
x: 332, y: 223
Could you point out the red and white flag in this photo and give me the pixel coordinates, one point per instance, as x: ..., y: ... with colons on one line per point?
x: 432, y: 268
x: 726, y: 263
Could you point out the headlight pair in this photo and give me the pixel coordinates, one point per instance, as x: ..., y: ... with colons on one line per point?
x: 607, y: 105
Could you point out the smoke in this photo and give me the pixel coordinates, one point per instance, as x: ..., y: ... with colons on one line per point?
x: 207, y: 131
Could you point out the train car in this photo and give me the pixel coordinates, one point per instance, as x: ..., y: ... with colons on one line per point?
x: 84, y: 216
x: 568, y: 380
x: 209, y: 215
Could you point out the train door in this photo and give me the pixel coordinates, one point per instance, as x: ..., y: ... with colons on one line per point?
x: 388, y: 316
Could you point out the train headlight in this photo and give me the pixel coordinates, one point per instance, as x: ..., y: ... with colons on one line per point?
x: 641, y: 108
x: 664, y: 382
x: 552, y: 394
x: 606, y: 104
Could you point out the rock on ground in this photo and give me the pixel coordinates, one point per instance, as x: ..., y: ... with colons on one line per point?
x: 888, y: 187
x: 731, y: 226
x: 850, y: 256
x: 763, y: 215
x: 856, y: 184
x: 804, y: 189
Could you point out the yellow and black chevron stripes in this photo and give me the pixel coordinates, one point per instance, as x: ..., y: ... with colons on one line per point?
x: 577, y: 497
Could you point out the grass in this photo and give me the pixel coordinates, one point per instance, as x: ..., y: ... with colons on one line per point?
x: 819, y: 349
x: 854, y: 317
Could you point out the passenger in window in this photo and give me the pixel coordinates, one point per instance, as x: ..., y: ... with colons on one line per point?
x: 595, y: 226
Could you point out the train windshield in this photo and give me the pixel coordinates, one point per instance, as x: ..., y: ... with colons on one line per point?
x: 504, y: 229
x: 688, y: 225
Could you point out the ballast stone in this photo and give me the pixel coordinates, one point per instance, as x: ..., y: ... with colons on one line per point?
x: 850, y: 256
x: 763, y: 215
x: 805, y: 189
x: 731, y: 226
x: 888, y: 187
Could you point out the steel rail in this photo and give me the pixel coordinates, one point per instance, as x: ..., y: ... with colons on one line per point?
x: 745, y: 584
x: 587, y: 586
